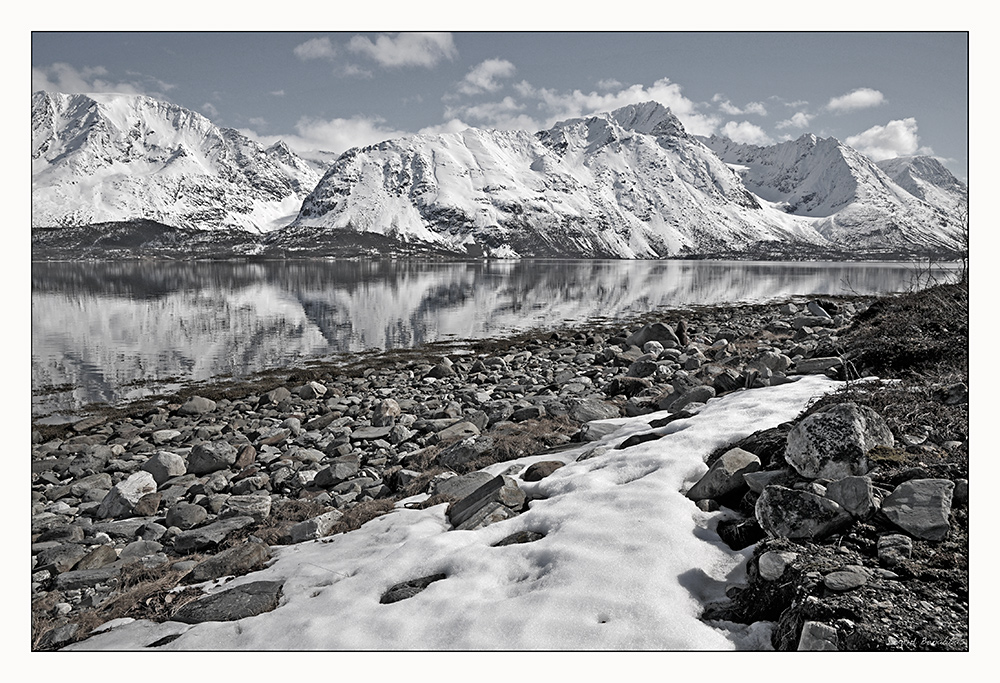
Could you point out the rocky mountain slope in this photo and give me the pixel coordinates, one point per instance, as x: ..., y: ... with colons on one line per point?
x: 113, y: 158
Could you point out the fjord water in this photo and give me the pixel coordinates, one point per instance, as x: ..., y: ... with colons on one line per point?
x: 113, y: 331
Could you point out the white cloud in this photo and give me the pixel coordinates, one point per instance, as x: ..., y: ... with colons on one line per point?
x: 316, y: 48
x: 278, y: 93
x: 609, y: 83
x: 564, y: 105
x: 746, y: 133
x: 406, y: 49
x: 727, y: 107
x: 798, y: 120
x: 894, y: 139
x: 450, y: 126
x: 62, y: 77
x: 483, y: 77
x: 862, y: 98
x: 210, y: 110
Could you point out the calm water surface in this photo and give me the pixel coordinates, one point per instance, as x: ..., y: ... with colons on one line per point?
x: 107, y: 331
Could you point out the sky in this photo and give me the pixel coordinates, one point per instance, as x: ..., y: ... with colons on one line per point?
x: 885, y: 93
x: 571, y: 590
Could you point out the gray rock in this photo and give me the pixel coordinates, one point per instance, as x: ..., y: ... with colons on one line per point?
x: 256, y: 505
x: 457, y: 432
x: 854, y: 494
x: 239, y: 602
x: 197, y: 405
x: 833, y: 444
x: 209, y: 535
x: 314, y: 528
x: 211, y: 456
x: 123, y: 496
x: 789, y: 513
x: 139, y: 549
x: 818, y: 637
x: 815, y: 309
x: 164, y: 465
x: 461, y: 486
x: 894, y: 548
x: 310, y: 390
x: 759, y: 480
x: 385, y: 413
x: 725, y: 475
x: 370, y: 433
x: 276, y: 396
x: 587, y: 410
x: 921, y: 507
x: 846, y: 579
x: 484, y: 516
x: 699, y: 394
x: 186, y: 515
x: 101, y: 556
x: 817, y: 366
x: 99, y: 481
x: 407, y: 589
x: 772, y: 565
x: 235, y: 561
x: 340, y: 469
x: 657, y: 332
x: 87, y: 578
x: 61, y: 558
x: 500, y: 489
x: 539, y: 470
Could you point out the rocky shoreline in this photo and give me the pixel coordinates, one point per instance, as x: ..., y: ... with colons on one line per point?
x: 858, y: 511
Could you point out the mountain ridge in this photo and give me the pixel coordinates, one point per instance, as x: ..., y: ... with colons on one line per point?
x: 629, y: 183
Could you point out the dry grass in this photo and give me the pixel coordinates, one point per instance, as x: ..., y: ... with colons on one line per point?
x: 517, y: 440
x: 362, y: 513
x: 143, y: 593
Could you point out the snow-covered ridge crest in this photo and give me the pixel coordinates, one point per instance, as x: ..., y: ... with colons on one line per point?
x: 113, y: 157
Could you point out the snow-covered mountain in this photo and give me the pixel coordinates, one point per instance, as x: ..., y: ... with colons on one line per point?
x: 629, y: 183
x: 927, y: 178
x: 842, y: 194
x: 109, y: 157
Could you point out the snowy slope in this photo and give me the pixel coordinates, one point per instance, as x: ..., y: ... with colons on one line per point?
x: 627, y: 562
x: 844, y: 195
x: 629, y: 183
x: 927, y: 178
x: 108, y: 157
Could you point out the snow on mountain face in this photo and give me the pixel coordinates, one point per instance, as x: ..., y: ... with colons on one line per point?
x: 106, y: 157
x: 630, y: 183
x: 848, y: 198
x: 927, y: 178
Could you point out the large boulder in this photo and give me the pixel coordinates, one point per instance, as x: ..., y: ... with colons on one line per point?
x: 921, y: 507
x: 211, y: 456
x: 121, y: 500
x: 239, y: 602
x: 834, y: 443
x: 725, y: 475
x: 792, y: 513
x: 165, y: 465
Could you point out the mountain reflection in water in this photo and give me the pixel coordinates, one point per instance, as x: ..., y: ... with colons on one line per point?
x: 100, y: 331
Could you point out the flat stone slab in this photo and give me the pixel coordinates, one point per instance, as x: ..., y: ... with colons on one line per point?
x: 921, y: 507
x: 239, y: 602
